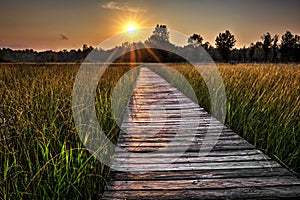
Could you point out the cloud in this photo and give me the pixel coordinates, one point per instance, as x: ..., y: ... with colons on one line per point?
x: 63, y: 37
x: 122, y: 7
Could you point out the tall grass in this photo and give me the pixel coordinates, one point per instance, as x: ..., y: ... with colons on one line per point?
x: 41, y: 153
x: 43, y: 157
x: 263, y: 105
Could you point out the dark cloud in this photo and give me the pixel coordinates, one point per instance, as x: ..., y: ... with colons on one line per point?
x: 63, y: 37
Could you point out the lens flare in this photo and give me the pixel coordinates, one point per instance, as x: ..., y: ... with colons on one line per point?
x: 130, y: 28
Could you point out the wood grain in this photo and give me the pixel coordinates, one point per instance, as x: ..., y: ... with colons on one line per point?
x: 160, y: 117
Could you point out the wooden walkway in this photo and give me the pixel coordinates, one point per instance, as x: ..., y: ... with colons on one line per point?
x: 233, y: 169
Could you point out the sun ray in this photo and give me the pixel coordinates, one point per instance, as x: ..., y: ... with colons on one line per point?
x: 129, y: 22
x: 149, y: 50
x: 132, y: 54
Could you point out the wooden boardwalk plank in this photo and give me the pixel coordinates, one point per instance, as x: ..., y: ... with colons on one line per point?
x: 200, y: 174
x: 159, y: 117
x: 255, y: 192
x: 204, y: 183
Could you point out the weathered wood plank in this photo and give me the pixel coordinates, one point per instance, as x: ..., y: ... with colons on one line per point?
x: 158, y: 114
x: 199, y: 159
x: 200, y: 174
x: 255, y: 192
x: 205, y: 183
x: 136, y: 167
x: 194, y: 154
x: 178, y: 142
x: 244, y: 146
x: 168, y: 138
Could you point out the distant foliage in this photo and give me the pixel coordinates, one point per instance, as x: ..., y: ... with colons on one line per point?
x: 160, y: 34
x: 225, y: 42
x: 266, y: 50
x: 267, y: 45
x: 289, y: 48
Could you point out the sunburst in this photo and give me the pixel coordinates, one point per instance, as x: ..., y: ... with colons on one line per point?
x: 131, y: 28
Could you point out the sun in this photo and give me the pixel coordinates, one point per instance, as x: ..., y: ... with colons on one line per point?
x: 130, y: 28
x: 129, y: 24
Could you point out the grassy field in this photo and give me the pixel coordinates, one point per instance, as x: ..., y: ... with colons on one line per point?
x: 42, y: 155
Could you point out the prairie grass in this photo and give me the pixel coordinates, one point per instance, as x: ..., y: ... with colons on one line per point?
x: 41, y: 153
x: 43, y: 157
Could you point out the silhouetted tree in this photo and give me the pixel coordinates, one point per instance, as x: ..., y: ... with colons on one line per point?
x: 244, y: 53
x: 275, y: 48
x: 160, y: 34
x: 265, y: 50
x: 224, y: 42
x: 236, y: 55
x: 206, y: 46
x: 288, y: 44
x: 195, y: 40
x: 259, y: 52
x: 267, y: 45
x: 86, y: 50
x: 251, y: 52
x: 297, y: 48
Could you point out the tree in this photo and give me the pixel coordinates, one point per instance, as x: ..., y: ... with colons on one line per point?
x: 251, y: 52
x: 195, y: 40
x: 275, y: 48
x: 86, y: 50
x: 206, y: 46
x: 225, y: 42
x: 259, y: 52
x: 244, y: 53
x: 297, y: 48
x: 267, y: 44
x: 287, y: 47
x: 160, y: 34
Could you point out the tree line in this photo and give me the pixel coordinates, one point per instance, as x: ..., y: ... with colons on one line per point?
x: 269, y: 49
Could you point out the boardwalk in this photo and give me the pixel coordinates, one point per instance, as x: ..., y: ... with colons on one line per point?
x: 158, y: 125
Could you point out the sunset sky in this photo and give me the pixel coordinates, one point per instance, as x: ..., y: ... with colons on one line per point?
x: 67, y: 24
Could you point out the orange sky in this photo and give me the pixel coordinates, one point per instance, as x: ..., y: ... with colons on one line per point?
x: 56, y: 24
